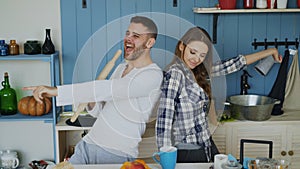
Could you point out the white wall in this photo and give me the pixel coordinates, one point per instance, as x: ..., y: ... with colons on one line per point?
x: 27, y: 19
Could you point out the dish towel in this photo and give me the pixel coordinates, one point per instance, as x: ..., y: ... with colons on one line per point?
x: 292, y: 90
x: 278, y: 89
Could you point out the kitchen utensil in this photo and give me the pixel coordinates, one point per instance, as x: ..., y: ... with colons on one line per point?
x: 82, y: 121
x: 264, y: 65
x: 9, y: 159
x: 251, y: 107
x: 105, y: 71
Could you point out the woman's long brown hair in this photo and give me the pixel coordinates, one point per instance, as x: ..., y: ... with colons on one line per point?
x: 201, y: 72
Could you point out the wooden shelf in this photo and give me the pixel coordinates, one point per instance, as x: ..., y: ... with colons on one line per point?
x: 215, y: 10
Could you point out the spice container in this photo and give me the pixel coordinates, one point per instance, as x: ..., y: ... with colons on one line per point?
x: 13, y: 48
x: 3, y: 48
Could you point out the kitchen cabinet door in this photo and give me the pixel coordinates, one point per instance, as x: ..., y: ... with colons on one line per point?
x: 33, y: 140
x: 257, y: 131
x: 292, y: 150
x: 219, y: 137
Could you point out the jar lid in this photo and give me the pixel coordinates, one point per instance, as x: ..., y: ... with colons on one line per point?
x: 32, y: 41
x: 9, y: 152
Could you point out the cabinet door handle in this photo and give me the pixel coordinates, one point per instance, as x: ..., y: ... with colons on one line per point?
x: 283, y: 153
x: 291, y: 153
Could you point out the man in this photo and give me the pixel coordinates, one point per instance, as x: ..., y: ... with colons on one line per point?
x: 129, y: 97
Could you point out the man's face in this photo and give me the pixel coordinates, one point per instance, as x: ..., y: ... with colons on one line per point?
x: 135, y: 41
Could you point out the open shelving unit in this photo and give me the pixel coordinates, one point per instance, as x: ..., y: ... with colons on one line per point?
x: 20, y: 132
x: 217, y: 11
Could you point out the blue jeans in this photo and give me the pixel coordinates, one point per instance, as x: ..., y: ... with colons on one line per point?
x: 92, y: 154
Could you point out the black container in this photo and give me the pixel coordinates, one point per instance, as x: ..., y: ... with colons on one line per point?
x: 32, y: 47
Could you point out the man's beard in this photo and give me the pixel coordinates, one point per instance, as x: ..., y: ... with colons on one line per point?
x: 137, y: 52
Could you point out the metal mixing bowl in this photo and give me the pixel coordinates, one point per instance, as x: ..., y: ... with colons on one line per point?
x: 251, y: 107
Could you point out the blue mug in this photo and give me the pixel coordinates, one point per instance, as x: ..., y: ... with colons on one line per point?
x: 167, y: 157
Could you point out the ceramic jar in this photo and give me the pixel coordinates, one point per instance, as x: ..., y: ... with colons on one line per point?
x: 3, y: 48
x: 261, y: 4
x: 32, y: 47
x: 9, y: 159
x: 248, y: 4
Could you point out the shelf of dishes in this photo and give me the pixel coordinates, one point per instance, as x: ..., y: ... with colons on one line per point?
x: 218, y: 10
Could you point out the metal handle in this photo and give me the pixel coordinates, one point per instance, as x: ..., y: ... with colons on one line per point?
x: 291, y: 153
x: 283, y: 153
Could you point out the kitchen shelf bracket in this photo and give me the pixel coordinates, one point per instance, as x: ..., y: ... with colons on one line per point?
x: 215, y: 26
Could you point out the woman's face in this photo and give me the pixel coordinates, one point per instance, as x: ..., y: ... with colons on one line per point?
x: 194, y: 53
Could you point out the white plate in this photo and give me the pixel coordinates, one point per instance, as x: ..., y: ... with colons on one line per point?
x: 225, y: 166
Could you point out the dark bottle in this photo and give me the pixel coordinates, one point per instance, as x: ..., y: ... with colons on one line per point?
x: 13, y: 48
x: 8, y: 98
x: 3, y: 48
x: 48, y: 47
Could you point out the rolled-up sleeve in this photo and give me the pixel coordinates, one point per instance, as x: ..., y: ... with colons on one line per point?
x: 228, y: 66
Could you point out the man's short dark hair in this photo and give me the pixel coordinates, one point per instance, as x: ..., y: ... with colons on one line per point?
x: 147, y: 22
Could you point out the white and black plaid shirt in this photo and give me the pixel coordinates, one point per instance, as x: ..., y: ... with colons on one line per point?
x: 183, y: 108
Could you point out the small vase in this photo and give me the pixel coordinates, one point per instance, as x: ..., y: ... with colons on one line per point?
x: 48, y: 47
x: 13, y: 48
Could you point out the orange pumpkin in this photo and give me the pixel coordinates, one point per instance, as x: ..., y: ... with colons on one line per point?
x: 29, y: 106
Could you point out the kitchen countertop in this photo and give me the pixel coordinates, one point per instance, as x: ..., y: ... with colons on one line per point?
x: 288, y: 116
x: 154, y: 166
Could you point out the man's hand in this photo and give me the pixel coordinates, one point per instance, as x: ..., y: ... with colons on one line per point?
x: 39, y: 92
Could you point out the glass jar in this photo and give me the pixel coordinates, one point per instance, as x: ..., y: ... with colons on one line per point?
x: 13, y: 48
x: 3, y: 48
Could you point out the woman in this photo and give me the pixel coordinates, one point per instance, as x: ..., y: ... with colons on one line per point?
x: 186, y: 93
